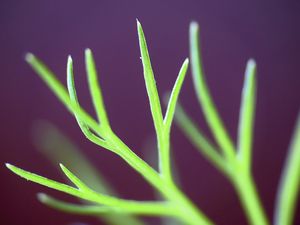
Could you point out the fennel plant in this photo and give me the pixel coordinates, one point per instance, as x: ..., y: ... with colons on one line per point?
x: 232, y: 160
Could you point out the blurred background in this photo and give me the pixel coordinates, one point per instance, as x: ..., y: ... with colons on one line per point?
x: 231, y: 32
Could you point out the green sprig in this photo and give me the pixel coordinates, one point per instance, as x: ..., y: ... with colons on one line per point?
x: 176, y: 204
x: 233, y: 161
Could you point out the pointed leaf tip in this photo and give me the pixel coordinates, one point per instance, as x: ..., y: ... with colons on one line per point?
x: 251, y: 63
x: 250, y: 68
x: 139, y: 27
x: 29, y: 57
x: 88, y: 51
x: 9, y: 166
x: 186, y: 61
x: 62, y: 166
x: 194, y: 26
x: 42, y: 197
x: 70, y: 58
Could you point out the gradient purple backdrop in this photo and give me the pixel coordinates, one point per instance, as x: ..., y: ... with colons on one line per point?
x: 231, y: 31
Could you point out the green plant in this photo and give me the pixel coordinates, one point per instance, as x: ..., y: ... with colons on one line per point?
x: 233, y: 162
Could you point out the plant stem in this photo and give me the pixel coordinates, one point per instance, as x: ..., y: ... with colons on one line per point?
x: 246, y: 189
x: 164, y: 158
x: 187, y: 211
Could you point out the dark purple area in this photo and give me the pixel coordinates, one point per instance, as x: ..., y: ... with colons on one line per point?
x: 231, y: 32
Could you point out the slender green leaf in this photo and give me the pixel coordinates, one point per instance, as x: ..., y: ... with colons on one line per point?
x: 210, y: 112
x: 72, y: 208
x: 245, y: 131
x: 150, y: 81
x: 289, y: 186
x: 95, y: 90
x: 89, y: 195
x: 73, y: 96
x: 158, y: 209
x: 45, y: 181
x: 155, y: 106
x: 60, y: 91
x: 199, y: 140
x: 174, y: 95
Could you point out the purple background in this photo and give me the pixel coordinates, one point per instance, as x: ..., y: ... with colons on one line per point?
x: 231, y: 32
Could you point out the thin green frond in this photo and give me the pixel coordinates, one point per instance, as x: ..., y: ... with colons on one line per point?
x: 199, y: 140
x: 155, y: 106
x: 157, y: 210
x: 60, y: 91
x: 150, y: 81
x: 177, y: 202
x: 44, y: 181
x: 73, y: 96
x: 242, y: 181
x: 88, y: 194
x: 174, y: 95
x: 210, y: 112
x: 289, y: 186
x: 95, y: 90
x: 72, y: 208
x: 247, y: 110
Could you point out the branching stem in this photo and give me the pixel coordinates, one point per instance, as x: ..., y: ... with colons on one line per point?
x: 238, y: 169
x: 187, y: 211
